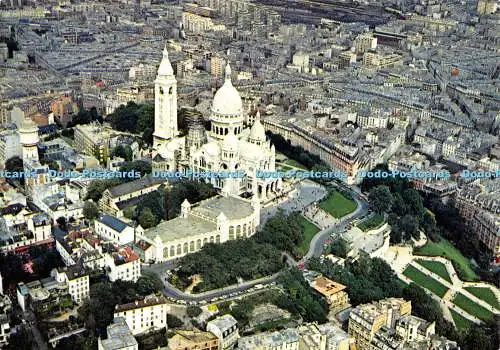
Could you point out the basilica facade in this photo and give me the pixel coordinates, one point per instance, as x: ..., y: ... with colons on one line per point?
x: 229, y: 147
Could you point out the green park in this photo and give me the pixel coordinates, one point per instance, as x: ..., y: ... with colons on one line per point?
x: 425, y: 281
x: 337, y: 204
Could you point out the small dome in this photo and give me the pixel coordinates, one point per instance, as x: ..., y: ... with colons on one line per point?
x: 231, y: 142
x: 212, y: 149
x: 257, y: 132
x: 165, y: 66
x: 227, y: 99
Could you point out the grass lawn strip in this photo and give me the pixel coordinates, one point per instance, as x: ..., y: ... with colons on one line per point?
x: 461, y: 322
x: 338, y: 205
x: 471, y: 307
x: 309, y: 230
x: 435, y: 266
x: 485, y: 294
x: 445, y: 249
x: 372, y: 223
x: 425, y: 281
x: 294, y: 163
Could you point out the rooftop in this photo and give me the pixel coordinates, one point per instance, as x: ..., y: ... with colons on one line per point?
x: 113, y: 222
x: 326, y: 286
x: 150, y: 300
x: 232, y: 207
x: 136, y: 185
x: 224, y: 322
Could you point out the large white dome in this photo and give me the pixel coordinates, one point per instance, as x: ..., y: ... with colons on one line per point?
x: 227, y: 99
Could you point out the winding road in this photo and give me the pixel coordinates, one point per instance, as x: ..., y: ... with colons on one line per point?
x: 307, y: 193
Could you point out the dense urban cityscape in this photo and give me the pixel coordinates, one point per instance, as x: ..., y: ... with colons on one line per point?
x: 250, y: 174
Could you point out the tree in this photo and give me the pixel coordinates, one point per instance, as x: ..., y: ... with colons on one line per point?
x: 140, y: 166
x: 193, y: 311
x: 147, y: 136
x: 409, y: 224
x: 90, y: 210
x: 147, y: 219
x: 339, y: 248
x: 145, y: 118
x: 61, y: 221
x: 123, y: 151
x: 174, y: 321
x: 97, y: 187
x: 148, y: 283
x: 414, y: 201
x: 15, y: 165
x: 53, y: 165
x: 381, y: 199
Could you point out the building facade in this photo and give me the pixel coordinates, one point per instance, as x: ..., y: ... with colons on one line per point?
x: 144, y: 315
x: 214, y: 220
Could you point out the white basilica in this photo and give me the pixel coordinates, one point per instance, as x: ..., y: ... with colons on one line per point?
x: 227, y: 147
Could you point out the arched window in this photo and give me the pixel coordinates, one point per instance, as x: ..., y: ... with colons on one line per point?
x: 165, y: 252
x: 212, y: 239
x: 185, y: 248
x: 172, y: 251
x: 170, y: 91
x: 231, y: 232
x: 217, y: 239
x: 179, y: 249
x: 191, y: 246
x: 198, y: 244
x: 161, y: 90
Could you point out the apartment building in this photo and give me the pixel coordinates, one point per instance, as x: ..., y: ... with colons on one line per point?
x: 478, y: 203
x: 287, y: 339
x: 193, y: 340
x: 388, y: 324
x: 333, y: 292
x: 93, y: 140
x: 77, y: 279
x: 144, y: 315
x: 119, y: 337
x: 123, y: 264
x: 225, y: 329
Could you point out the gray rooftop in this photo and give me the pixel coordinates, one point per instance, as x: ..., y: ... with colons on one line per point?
x: 232, y: 207
x: 180, y: 227
x: 136, y: 185
x: 113, y: 222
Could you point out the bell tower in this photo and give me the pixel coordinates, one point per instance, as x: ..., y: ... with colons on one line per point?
x: 165, y: 103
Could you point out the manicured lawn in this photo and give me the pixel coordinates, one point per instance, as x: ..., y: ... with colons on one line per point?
x: 309, y: 230
x: 372, y: 223
x: 437, y: 267
x: 472, y: 308
x: 445, y: 249
x: 425, y: 281
x: 485, y: 294
x: 338, y: 205
x: 294, y: 163
x: 461, y: 323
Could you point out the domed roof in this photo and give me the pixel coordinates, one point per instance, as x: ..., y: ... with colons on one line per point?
x: 28, y: 125
x: 165, y: 66
x: 227, y: 99
x: 257, y: 132
x: 212, y: 148
x: 231, y: 141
